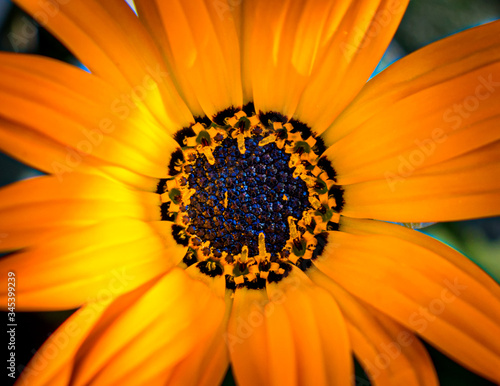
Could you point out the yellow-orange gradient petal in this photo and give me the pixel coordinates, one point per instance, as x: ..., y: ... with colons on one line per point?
x: 88, y: 263
x: 143, y: 335
x: 389, y: 353
x: 432, y: 107
x: 281, y: 43
x: 82, y: 114
x: 369, y: 227
x: 108, y: 38
x: 453, y: 59
x: 353, y: 46
x: 293, y: 335
x: 43, y: 153
x: 448, y: 306
x: 54, y: 361
x: 461, y: 188
x: 247, y: 337
x: 201, y: 47
x: 33, y: 211
x: 210, y: 354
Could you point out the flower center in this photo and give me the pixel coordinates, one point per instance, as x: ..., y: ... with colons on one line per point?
x: 243, y: 195
x: 250, y: 197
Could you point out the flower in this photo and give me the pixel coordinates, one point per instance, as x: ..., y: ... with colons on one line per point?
x: 162, y: 219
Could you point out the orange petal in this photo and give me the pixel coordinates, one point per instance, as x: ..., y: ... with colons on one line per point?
x: 81, y: 264
x: 107, y: 35
x: 410, y: 125
x: 464, y: 187
x: 369, y: 227
x: 202, y: 49
x: 53, y: 363
x: 388, y: 352
x: 446, y: 69
x: 51, y: 157
x: 282, y: 353
x: 247, y: 337
x: 98, y: 121
x: 293, y: 335
x: 448, y: 306
x: 143, y: 335
x: 211, y: 354
x: 282, y: 42
x: 319, y: 331
x: 353, y: 45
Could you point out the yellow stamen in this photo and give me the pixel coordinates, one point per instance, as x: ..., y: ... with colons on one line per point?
x: 244, y: 254
x: 315, y: 203
x: 262, y: 247
x: 293, y: 229
x: 311, y: 141
x: 208, y: 153
x: 241, y: 143
x: 198, y: 127
x: 269, y: 139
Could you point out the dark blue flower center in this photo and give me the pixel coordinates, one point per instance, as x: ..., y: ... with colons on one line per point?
x: 243, y: 195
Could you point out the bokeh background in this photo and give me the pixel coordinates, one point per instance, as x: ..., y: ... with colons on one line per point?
x: 425, y: 21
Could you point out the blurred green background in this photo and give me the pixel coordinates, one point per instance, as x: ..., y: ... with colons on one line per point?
x: 425, y: 21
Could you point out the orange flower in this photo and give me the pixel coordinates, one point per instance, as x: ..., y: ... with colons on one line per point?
x: 215, y: 188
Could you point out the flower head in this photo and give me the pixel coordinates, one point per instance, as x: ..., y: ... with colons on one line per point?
x: 215, y: 187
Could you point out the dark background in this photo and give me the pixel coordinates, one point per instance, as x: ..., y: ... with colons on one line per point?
x: 425, y: 21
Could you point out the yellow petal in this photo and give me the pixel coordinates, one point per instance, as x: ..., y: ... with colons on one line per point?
x: 84, y: 264
x: 144, y: 334
x: 31, y: 210
x: 210, y: 354
x: 106, y: 35
x: 51, y: 157
x: 282, y: 351
x: 53, y: 362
